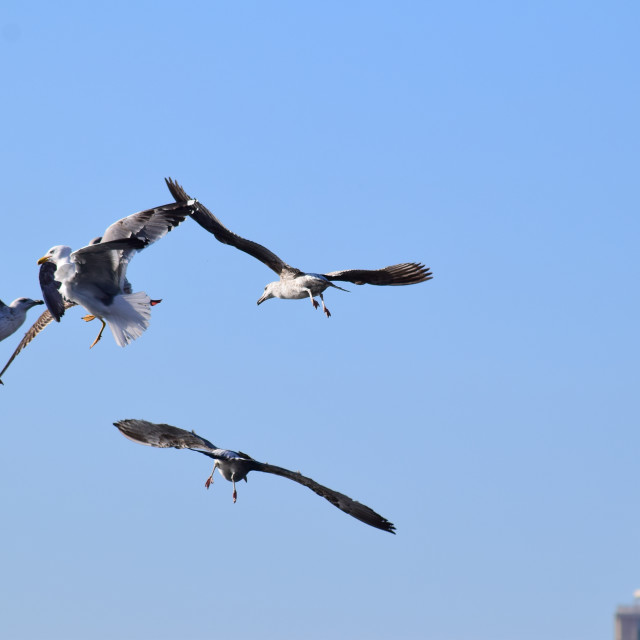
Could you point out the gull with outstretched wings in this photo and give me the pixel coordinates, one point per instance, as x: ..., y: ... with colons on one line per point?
x: 295, y: 284
x: 95, y: 276
x: 235, y: 466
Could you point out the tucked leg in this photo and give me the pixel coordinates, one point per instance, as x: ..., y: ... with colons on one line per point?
x: 95, y: 342
x: 325, y: 308
x: 88, y: 317
x: 153, y: 303
x: 209, y: 481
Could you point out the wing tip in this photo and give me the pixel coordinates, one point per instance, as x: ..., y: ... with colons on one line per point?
x: 129, y: 432
x: 410, y: 273
x: 381, y: 523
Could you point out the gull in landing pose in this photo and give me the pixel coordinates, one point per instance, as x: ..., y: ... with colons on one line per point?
x: 95, y: 276
x: 295, y: 284
x: 235, y: 466
x: 12, y: 316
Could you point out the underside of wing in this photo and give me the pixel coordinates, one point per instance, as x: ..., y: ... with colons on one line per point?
x: 163, y: 435
x: 149, y: 225
x: 44, y: 319
x: 98, y: 268
x: 345, y: 503
x: 138, y: 231
x: 208, y: 221
x: 51, y: 292
x: 395, y: 275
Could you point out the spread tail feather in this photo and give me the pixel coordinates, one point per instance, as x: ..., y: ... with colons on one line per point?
x: 129, y: 317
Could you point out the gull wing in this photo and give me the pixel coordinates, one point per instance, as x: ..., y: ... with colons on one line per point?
x: 102, y: 267
x: 163, y: 435
x: 51, y: 291
x: 44, y: 319
x: 151, y: 224
x: 208, y: 221
x: 345, y: 503
x: 395, y: 275
x: 134, y: 233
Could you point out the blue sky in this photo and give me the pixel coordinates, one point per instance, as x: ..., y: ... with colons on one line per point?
x: 491, y: 413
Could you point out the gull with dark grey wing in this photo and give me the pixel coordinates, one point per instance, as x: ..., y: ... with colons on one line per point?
x: 235, y: 466
x: 295, y: 284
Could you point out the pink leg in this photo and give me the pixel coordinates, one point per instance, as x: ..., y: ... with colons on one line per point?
x: 313, y: 301
x: 325, y: 308
x: 209, y: 481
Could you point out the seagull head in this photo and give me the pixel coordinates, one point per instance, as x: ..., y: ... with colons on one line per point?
x: 269, y: 292
x: 56, y: 254
x: 25, y: 303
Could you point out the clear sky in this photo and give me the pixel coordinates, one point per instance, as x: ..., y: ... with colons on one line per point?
x: 491, y: 414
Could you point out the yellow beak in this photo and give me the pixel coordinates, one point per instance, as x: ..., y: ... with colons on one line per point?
x: 43, y: 260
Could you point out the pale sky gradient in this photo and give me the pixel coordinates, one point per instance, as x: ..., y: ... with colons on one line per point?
x: 491, y: 414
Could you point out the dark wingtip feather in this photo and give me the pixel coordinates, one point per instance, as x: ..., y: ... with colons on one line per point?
x: 410, y: 273
x: 178, y: 193
x: 393, y: 275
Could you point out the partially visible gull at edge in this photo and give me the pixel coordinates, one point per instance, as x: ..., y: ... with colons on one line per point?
x: 44, y: 319
x: 295, y: 284
x: 235, y: 466
x: 12, y: 316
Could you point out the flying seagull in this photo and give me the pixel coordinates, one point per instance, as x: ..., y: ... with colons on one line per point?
x: 295, y: 284
x: 95, y: 276
x: 235, y: 465
x: 12, y: 316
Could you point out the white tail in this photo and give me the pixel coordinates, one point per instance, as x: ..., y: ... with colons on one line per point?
x: 129, y: 317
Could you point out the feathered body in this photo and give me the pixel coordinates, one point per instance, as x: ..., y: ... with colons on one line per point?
x: 127, y: 314
x: 298, y: 287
